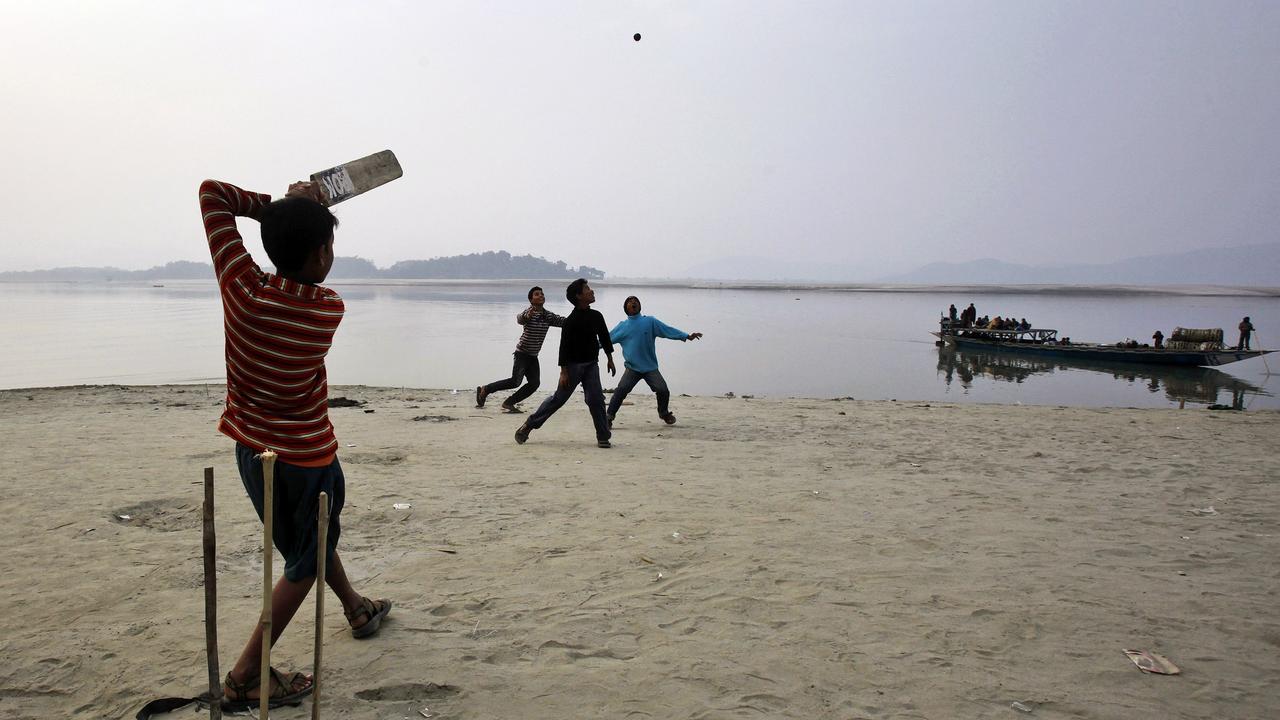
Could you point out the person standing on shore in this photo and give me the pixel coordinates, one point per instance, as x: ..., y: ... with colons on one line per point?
x: 279, y: 328
x: 638, y: 335
x: 1246, y: 330
x: 535, y: 319
x: 582, y: 337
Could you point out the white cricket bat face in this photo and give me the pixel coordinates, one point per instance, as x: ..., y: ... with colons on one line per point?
x: 337, y: 184
x: 358, y: 176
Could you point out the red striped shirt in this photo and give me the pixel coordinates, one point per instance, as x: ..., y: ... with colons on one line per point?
x: 278, y: 332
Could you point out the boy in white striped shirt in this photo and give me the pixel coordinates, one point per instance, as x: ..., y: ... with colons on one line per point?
x: 535, y: 319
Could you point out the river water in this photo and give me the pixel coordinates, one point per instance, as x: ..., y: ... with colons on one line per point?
x: 767, y: 342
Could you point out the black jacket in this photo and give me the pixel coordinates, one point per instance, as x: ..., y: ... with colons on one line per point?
x: 582, y: 336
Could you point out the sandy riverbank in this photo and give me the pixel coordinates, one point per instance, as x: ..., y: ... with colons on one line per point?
x: 762, y: 558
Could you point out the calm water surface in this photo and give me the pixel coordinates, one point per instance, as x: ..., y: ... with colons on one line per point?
x: 773, y: 342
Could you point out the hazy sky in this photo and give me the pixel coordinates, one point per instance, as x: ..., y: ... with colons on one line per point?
x: 857, y: 138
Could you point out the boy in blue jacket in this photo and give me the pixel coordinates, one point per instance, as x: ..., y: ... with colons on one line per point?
x: 637, y: 335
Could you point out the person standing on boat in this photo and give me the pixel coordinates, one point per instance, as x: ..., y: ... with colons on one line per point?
x: 952, y: 314
x: 1246, y: 330
x: 970, y: 316
x: 1158, y: 337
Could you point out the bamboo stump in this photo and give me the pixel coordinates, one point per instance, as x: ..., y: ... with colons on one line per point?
x: 211, y: 599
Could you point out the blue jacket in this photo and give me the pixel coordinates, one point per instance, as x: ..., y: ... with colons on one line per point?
x: 636, y: 335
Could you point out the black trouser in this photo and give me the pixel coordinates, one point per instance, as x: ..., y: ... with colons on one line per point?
x: 1244, y: 340
x: 524, y: 366
x: 630, y: 378
x: 588, y: 374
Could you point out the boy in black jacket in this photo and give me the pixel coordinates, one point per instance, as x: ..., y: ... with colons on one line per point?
x: 581, y: 339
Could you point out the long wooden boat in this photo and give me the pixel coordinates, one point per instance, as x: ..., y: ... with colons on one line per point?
x: 1044, y: 342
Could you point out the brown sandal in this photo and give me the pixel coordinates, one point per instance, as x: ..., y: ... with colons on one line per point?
x: 373, y: 616
x: 235, y: 698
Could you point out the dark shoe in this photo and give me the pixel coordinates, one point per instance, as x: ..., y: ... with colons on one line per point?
x: 480, y: 396
x: 669, y: 418
x: 235, y: 696
x: 603, y: 444
x: 522, y: 434
x: 373, y: 611
x: 507, y: 408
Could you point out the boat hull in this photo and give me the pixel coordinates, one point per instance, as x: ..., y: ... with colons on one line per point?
x: 1146, y: 356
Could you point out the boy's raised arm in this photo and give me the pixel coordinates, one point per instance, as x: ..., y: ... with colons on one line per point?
x: 220, y: 204
x: 668, y: 332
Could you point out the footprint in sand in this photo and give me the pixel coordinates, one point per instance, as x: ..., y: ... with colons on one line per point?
x: 373, y: 458
x: 444, y: 610
x: 408, y: 692
x: 620, y: 647
x: 166, y: 515
x: 765, y: 703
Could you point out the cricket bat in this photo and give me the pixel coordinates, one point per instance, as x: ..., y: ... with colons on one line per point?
x: 356, y: 177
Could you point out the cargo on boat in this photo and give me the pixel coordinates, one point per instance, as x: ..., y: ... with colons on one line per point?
x: 1186, y: 346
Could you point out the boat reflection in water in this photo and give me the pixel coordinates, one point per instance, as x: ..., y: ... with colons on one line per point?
x: 1180, y: 384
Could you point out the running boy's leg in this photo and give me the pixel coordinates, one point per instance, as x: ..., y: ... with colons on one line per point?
x: 517, y: 373
x: 557, y: 400
x: 625, y: 386
x: 658, y: 385
x: 594, y: 396
x: 532, y: 373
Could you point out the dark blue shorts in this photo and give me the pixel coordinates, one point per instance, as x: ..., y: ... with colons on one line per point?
x: 295, y: 500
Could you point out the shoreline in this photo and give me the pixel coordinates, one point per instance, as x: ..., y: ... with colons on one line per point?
x: 1062, y: 289
x: 215, y: 389
x: 790, y: 558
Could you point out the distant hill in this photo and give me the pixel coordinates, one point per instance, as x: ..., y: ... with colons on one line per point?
x: 179, y: 270
x: 490, y: 265
x: 1248, y: 266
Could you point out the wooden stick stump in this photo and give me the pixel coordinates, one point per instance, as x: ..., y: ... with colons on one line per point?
x: 322, y: 554
x: 211, y: 599
x: 268, y: 489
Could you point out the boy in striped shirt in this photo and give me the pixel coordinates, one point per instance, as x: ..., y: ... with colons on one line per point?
x: 278, y: 330
x: 535, y: 319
